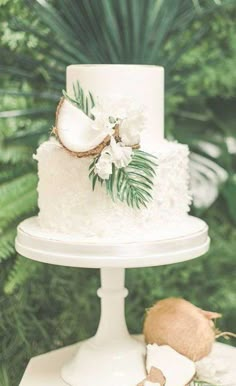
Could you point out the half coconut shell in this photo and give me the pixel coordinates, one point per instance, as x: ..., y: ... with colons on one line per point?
x: 74, y: 130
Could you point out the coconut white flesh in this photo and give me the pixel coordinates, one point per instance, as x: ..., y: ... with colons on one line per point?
x: 74, y: 128
x: 176, y: 368
x: 148, y: 383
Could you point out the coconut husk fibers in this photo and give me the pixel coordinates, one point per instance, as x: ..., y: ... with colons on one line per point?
x: 92, y: 152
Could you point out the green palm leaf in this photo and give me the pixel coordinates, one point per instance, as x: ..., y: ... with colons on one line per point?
x: 132, y: 184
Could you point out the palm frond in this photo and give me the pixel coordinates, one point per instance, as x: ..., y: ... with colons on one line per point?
x: 9, y: 171
x: 22, y: 270
x: 4, y: 377
x: 25, y: 205
x: 207, y: 177
x: 15, y: 153
x: 26, y: 112
x: 10, y: 191
x: 32, y: 94
x: 132, y: 184
x: 211, y: 163
x: 7, y: 247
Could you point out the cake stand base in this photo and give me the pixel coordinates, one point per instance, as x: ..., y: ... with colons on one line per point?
x: 116, y: 364
x: 45, y: 370
x: 112, y: 357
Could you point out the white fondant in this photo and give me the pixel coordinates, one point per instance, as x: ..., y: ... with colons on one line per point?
x: 143, y: 84
x: 68, y: 204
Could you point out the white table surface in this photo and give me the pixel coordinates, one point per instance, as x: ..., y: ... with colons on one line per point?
x: 44, y: 370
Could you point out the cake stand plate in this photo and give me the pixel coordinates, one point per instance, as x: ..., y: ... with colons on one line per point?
x: 112, y: 357
x: 177, y: 242
x: 44, y: 370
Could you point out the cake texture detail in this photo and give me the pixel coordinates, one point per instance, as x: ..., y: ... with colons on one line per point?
x: 67, y: 203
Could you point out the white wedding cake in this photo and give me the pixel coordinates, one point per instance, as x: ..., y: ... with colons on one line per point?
x: 108, y: 173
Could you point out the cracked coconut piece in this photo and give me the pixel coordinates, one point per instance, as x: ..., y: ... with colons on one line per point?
x: 176, y: 368
x: 154, y: 378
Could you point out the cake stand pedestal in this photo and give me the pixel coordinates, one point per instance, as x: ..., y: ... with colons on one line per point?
x: 112, y: 357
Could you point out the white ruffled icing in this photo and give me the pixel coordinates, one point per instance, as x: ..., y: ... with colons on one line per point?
x: 67, y: 203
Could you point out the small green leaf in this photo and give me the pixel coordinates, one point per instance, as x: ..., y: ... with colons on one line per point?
x: 94, y: 180
x: 84, y: 103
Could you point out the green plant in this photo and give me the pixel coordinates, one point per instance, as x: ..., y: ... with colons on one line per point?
x: 152, y: 32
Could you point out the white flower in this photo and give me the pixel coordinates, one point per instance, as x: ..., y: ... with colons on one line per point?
x: 124, y: 111
x: 121, y: 155
x: 132, y: 125
x: 214, y: 371
x: 206, y: 370
x: 102, y: 121
x: 103, y: 167
x: 115, y: 153
x: 131, y: 128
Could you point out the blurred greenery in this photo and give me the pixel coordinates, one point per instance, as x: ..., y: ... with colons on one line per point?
x: 196, y: 42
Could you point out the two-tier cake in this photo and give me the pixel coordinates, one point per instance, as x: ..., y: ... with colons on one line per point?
x: 108, y: 173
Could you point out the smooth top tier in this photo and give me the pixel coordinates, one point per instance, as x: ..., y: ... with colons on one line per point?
x: 143, y: 83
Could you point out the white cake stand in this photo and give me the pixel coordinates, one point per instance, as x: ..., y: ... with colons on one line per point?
x: 112, y: 357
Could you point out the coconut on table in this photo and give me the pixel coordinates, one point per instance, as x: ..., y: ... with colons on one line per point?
x: 180, y: 338
x: 181, y: 325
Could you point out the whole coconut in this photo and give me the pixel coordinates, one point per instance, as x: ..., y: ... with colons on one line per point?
x: 181, y: 325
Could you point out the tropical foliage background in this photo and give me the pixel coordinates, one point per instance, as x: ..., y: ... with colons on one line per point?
x: 45, y: 307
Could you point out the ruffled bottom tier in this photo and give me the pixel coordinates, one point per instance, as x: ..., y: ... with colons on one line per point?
x: 68, y: 204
